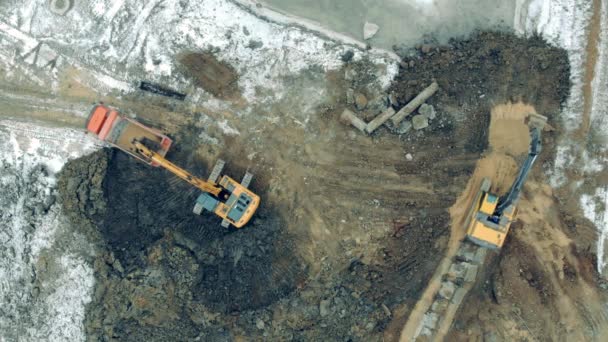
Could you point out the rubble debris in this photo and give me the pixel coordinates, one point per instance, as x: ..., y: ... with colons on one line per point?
x: 350, y: 96
x: 160, y: 90
x: 377, y: 105
x: 415, y: 103
x: 369, y: 30
x: 427, y: 110
x: 403, y: 127
x: 360, y: 101
x: 61, y: 7
x: 419, y: 122
x: 349, y: 117
x: 379, y: 120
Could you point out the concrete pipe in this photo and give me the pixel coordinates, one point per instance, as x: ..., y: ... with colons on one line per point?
x: 61, y: 7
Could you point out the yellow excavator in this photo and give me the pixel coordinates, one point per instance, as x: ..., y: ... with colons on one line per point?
x: 491, y: 216
x: 228, y: 199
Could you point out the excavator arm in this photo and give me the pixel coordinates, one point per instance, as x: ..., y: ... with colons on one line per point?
x: 535, y: 147
x: 152, y: 156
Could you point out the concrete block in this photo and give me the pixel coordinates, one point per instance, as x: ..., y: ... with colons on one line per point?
x: 427, y: 110
x: 420, y: 122
x: 457, y: 270
x: 447, y: 289
x: 369, y: 30
x: 415, y: 103
x: 471, y: 273
x: 458, y: 297
x: 480, y: 255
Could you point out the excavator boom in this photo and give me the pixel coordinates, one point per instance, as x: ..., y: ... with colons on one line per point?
x: 150, y: 155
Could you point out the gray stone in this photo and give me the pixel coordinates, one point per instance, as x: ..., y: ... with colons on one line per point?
x: 447, y: 289
x: 259, y: 324
x: 324, y: 307
x: 471, y: 273
x: 360, y: 101
x: 420, y: 122
x: 350, y: 96
x: 409, y: 157
x: 427, y: 110
x: 404, y: 127
x: 370, y: 30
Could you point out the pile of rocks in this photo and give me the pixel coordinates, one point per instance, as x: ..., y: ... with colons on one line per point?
x: 384, y: 113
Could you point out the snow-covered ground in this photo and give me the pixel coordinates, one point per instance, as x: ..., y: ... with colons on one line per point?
x: 565, y: 23
x: 135, y: 40
x: 44, y: 281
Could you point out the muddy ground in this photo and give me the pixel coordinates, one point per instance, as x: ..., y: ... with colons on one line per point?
x: 349, y: 230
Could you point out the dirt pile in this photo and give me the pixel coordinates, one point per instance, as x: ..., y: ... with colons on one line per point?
x: 484, y: 70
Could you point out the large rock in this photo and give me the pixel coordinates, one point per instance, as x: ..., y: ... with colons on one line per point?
x: 360, y: 101
x: 370, y: 30
x: 427, y: 110
x: 420, y: 122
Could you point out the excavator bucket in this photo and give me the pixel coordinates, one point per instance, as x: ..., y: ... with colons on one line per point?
x: 536, y: 120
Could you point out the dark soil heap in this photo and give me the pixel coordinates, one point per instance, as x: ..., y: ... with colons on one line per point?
x: 487, y: 69
x: 162, y: 262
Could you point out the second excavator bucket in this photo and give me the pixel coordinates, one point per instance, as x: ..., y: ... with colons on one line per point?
x: 536, y: 120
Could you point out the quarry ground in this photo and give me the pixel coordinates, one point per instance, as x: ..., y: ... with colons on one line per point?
x: 350, y: 229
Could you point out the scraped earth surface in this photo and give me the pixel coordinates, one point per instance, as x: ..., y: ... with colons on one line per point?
x: 349, y: 231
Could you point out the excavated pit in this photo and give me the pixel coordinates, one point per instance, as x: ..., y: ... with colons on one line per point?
x: 141, y: 212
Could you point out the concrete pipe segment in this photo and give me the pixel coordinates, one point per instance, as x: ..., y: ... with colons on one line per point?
x: 61, y: 7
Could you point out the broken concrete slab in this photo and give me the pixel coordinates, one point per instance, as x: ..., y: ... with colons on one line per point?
x: 420, y: 122
x: 404, y: 127
x: 379, y: 120
x: 369, y: 30
x: 427, y: 110
x: 415, y: 103
x: 349, y: 117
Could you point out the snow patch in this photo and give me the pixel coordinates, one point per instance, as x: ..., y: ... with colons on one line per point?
x: 39, y: 301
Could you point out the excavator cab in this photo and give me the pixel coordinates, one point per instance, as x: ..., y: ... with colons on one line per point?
x: 490, y: 216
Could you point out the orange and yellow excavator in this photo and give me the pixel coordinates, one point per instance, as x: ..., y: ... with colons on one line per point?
x: 491, y: 216
x: 228, y: 199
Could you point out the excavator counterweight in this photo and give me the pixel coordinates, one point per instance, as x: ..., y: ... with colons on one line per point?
x: 491, y: 216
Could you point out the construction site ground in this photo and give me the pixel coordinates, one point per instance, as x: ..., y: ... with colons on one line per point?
x: 352, y: 228
x: 350, y: 231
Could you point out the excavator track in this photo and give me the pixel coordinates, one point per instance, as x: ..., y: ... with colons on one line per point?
x: 217, y: 170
